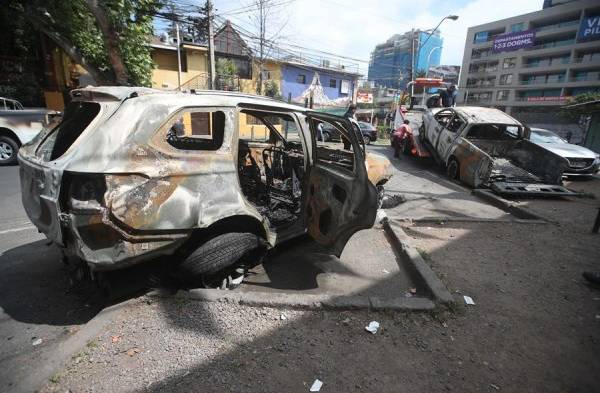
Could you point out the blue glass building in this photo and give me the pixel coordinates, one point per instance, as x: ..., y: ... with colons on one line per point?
x: 391, y: 62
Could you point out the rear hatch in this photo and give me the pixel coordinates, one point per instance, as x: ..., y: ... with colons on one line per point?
x: 41, y: 167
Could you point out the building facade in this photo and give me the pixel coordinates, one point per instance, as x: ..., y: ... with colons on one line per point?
x: 391, y: 62
x: 327, y: 86
x: 529, y: 65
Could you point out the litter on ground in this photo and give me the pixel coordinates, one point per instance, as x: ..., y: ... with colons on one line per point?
x: 469, y: 300
x: 372, y: 327
x: 316, y: 386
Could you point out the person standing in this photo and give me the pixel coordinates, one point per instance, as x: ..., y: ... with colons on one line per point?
x: 448, y: 96
x: 402, y: 137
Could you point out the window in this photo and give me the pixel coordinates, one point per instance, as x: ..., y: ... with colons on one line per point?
x: 78, y: 116
x: 266, y: 75
x: 443, y: 117
x: 502, y: 95
x: 336, y: 149
x: 509, y: 62
x: 301, y: 78
x: 505, y: 79
x: 260, y: 126
x: 455, y: 124
x: 517, y: 27
x: 196, y: 130
x: 482, y: 36
x: 332, y: 83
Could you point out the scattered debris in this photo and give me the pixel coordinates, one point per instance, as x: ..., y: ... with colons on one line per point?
x: 116, y: 339
x: 346, y: 321
x: 283, y: 317
x: 133, y: 351
x: 391, y: 201
x: 469, y: 300
x: 381, y: 216
x: 413, y: 290
x: 408, y: 294
x: 36, y: 342
x: 372, y: 327
x: 385, y: 271
x: 316, y: 386
x: 496, y: 387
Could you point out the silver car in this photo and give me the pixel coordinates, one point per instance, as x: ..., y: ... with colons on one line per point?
x: 582, y: 161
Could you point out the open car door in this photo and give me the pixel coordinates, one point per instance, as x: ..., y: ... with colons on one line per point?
x: 339, y: 199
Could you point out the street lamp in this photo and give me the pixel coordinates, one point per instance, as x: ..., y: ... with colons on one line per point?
x: 429, y: 59
x: 420, y: 45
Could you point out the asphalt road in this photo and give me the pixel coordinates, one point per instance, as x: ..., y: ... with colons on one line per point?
x: 37, y: 300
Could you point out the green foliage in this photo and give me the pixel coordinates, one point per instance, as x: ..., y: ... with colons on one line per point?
x: 580, y: 99
x: 225, y: 67
x: 271, y: 89
x: 130, y: 19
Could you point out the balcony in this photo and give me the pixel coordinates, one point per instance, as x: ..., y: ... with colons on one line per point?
x: 587, y: 59
x: 557, y: 26
x: 552, y: 44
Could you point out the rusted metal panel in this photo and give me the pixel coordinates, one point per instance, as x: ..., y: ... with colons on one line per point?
x: 153, y: 196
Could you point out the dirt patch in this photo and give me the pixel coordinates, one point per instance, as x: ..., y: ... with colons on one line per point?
x: 534, y: 328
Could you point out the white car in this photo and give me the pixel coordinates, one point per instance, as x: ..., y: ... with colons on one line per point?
x: 18, y: 126
x: 582, y: 161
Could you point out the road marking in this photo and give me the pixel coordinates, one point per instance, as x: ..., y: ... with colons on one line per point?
x: 17, y: 229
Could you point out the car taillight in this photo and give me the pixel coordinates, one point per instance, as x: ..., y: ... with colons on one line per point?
x: 84, y: 191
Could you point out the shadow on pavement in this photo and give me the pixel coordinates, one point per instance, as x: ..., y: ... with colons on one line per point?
x: 35, y: 288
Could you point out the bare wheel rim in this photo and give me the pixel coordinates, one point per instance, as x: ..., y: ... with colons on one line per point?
x: 6, y: 151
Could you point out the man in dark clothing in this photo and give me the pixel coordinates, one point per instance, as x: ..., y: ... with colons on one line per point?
x: 448, y: 96
x: 350, y: 112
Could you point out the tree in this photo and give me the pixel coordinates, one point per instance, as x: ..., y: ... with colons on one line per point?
x: 272, y: 89
x: 581, y: 116
x: 108, y: 38
x: 266, y: 18
x: 226, y: 73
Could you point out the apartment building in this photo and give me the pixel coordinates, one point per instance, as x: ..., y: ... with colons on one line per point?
x: 529, y: 65
x: 392, y: 61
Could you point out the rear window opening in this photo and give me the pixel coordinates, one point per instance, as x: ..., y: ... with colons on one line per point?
x: 495, y: 132
x: 197, y: 130
x: 78, y: 116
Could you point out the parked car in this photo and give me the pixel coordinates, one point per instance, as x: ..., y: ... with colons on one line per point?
x: 134, y: 173
x: 368, y: 131
x: 18, y: 126
x: 485, y: 147
x: 582, y: 161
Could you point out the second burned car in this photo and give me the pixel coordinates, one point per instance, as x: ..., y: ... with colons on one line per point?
x: 131, y: 174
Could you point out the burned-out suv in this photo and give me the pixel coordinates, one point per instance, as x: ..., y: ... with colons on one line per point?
x: 133, y: 173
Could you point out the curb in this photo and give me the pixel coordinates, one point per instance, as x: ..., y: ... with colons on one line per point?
x: 61, y: 356
x: 437, y: 220
x: 508, y: 206
x: 402, y: 244
x: 301, y: 301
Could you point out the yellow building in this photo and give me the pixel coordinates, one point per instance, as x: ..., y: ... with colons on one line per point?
x: 194, y: 66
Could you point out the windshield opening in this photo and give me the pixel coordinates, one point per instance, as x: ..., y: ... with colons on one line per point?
x: 545, y: 137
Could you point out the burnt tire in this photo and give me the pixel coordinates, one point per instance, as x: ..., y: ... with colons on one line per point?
x: 453, y: 169
x: 219, y: 253
x: 8, y: 150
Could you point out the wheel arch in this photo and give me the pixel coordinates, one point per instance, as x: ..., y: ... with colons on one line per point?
x: 11, y: 134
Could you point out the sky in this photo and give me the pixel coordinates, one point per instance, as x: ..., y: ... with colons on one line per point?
x: 352, y: 28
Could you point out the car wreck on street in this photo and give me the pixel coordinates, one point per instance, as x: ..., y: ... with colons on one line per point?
x: 485, y: 147
x: 213, y: 178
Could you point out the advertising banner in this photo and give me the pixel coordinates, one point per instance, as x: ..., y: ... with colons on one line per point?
x: 364, y: 98
x: 589, y: 29
x: 513, y: 41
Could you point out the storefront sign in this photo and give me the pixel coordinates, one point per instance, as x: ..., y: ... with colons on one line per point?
x: 364, y: 98
x: 550, y: 98
x: 589, y: 29
x: 512, y: 41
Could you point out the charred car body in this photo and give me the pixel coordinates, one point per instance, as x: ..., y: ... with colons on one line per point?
x: 484, y: 147
x: 134, y: 173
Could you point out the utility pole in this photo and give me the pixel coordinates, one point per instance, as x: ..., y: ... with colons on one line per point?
x: 261, y: 9
x: 178, y: 57
x: 211, y: 47
x: 412, y: 67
